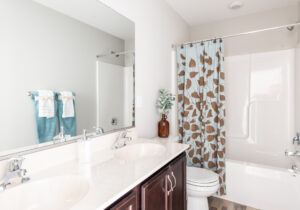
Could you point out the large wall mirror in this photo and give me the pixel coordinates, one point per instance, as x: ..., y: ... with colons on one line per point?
x: 65, y: 66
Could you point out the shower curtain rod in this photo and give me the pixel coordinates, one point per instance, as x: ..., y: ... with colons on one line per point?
x: 239, y: 34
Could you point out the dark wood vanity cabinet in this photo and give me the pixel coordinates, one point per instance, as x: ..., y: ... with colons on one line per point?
x: 130, y: 201
x: 165, y: 190
x: 154, y: 192
x: 177, y: 197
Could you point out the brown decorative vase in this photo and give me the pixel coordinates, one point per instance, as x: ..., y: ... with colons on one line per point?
x: 163, y: 127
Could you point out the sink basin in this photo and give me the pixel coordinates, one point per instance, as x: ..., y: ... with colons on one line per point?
x: 56, y: 193
x: 140, y: 150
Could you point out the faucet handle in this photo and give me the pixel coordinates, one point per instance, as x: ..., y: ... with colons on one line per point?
x: 294, y: 167
x: 296, y: 139
x: 297, y: 135
x: 123, y: 133
x: 294, y: 170
x: 15, y: 164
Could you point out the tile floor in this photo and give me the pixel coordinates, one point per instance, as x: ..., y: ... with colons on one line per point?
x: 220, y: 204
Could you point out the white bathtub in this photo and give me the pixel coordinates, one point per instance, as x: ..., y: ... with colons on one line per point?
x: 262, y: 187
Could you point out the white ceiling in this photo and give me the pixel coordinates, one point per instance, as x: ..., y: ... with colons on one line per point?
x: 94, y: 13
x: 196, y: 12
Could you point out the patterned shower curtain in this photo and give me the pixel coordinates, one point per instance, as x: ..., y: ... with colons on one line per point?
x: 201, y: 105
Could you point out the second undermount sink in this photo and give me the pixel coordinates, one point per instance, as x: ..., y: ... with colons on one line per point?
x: 140, y: 150
x: 59, y: 193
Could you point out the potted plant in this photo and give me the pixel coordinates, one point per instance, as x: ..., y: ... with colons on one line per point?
x: 164, y: 105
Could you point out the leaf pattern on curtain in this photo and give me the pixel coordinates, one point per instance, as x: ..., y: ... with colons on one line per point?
x: 201, y: 105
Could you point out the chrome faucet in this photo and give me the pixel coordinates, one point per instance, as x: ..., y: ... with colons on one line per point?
x: 294, y: 170
x: 98, y: 130
x: 296, y: 139
x: 122, y: 140
x: 14, y: 170
x: 84, y: 135
x: 61, y: 136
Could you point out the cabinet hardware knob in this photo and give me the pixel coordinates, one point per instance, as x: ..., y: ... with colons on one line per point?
x: 174, y: 180
x: 171, y: 189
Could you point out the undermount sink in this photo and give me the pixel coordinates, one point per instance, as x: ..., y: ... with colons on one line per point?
x: 140, y: 150
x: 59, y: 193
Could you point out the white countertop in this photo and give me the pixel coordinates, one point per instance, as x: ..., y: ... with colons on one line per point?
x: 110, y: 178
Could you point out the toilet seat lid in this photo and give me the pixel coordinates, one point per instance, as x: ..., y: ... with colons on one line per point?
x: 201, y: 175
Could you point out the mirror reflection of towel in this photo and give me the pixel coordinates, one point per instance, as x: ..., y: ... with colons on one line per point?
x: 46, y: 103
x: 67, y: 102
x: 67, y: 113
x: 45, y: 125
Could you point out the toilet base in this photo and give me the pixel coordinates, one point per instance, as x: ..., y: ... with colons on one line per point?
x: 197, y: 203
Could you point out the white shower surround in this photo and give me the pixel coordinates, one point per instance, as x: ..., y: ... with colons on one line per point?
x: 260, y: 97
x: 260, y: 94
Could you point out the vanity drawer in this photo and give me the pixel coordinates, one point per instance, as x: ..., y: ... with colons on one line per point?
x: 128, y: 202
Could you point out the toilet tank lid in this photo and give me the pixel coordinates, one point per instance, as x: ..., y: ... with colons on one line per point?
x: 201, y: 175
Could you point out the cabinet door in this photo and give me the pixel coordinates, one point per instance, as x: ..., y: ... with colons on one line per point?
x: 177, y: 172
x: 155, y: 192
x: 129, y: 202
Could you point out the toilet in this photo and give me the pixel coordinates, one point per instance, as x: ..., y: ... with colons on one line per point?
x: 201, y: 183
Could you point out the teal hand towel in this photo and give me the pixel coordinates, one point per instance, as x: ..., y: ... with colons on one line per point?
x: 45, y: 127
x: 68, y: 123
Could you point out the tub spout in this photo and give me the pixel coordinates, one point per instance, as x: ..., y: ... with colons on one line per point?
x: 289, y: 153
